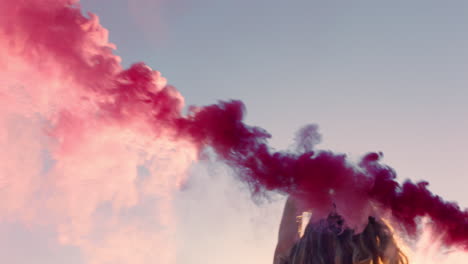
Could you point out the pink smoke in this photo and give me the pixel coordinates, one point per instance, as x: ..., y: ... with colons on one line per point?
x: 64, y: 92
x: 323, y: 178
x: 75, y: 128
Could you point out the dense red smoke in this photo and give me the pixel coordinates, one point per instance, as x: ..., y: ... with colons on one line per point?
x: 323, y: 178
x: 54, y: 38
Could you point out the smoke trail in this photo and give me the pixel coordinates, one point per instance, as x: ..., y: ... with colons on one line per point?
x: 75, y: 128
x: 323, y: 178
x: 58, y: 74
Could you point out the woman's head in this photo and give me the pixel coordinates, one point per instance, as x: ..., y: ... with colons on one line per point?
x: 330, y: 242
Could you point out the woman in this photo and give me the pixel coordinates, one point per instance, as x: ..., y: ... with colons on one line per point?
x: 328, y: 241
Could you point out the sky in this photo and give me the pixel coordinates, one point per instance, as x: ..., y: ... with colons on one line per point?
x: 384, y: 76
x: 374, y: 75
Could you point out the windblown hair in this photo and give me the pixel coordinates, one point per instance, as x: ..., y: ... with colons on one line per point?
x: 329, y: 242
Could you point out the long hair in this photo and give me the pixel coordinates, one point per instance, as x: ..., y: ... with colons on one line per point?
x: 329, y: 242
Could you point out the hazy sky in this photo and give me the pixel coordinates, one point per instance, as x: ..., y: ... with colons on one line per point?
x: 375, y: 75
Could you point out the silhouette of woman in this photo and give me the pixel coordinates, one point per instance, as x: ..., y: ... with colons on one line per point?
x: 329, y: 241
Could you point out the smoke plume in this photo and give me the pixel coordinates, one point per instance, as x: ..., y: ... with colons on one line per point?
x: 87, y: 144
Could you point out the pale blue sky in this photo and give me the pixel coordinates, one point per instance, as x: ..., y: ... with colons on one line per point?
x: 375, y: 75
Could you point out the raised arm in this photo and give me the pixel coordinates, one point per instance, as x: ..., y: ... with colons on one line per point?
x: 288, y: 230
